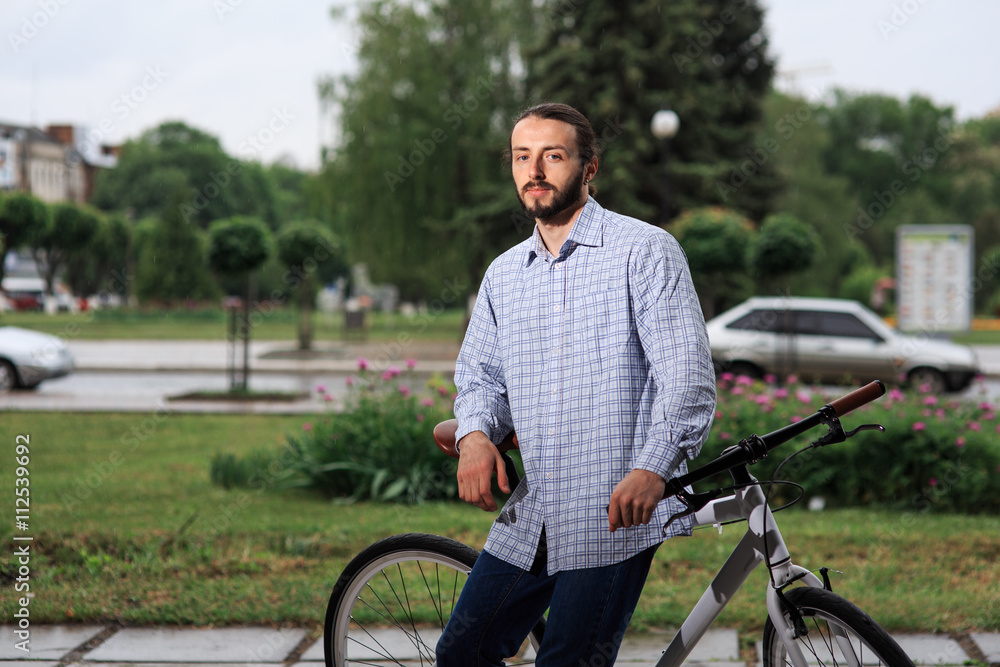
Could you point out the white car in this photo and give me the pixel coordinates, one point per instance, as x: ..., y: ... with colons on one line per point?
x: 28, y: 357
x: 832, y: 340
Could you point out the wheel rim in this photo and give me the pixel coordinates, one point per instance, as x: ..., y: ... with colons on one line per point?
x: 7, y: 377
x: 829, y: 642
x: 395, y: 609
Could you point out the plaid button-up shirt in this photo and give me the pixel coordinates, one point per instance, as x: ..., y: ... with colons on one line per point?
x: 599, y: 359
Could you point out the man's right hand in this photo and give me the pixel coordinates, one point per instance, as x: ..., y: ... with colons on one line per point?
x: 478, y: 459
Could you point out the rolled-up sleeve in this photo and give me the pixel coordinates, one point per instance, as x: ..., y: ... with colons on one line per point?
x: 671, y: 328
x: 482, y: 403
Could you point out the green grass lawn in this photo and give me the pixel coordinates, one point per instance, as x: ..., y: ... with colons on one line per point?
x: 127, y: 527
x: 211, y: 324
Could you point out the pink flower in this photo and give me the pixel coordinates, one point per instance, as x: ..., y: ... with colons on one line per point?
x: 895, y: 394
x: 960, y: 442
x: 393, y: 371
x: 362, y: 364
x: 327, y: 397
x: 932, y: 481
x: 974, y: 426
x: 930, y: 400
x: 989, y: 416
x: 726, y: 377
x: 796, y: 418
x: 985, y: 406
x: 924, y: 388
x: 443, y: 390
x: 420, y: 417
x: 725, y: 435
x: 919, y: 426
x: 411, y: 363
x: 803, y: 397
x: 739, y: 390
x: 781, y: 393
x: 321, y: 389
x: 349, y: 381
x: 939, y: 413
x: 792, y: 379
x: 307, y: 426
x: 744, y: 380
x: 427, y: 402
x: 404, y: 390
x: 718, y: 414
x: 386, y: 375
x: 770, y: 378
x: 762, y: 399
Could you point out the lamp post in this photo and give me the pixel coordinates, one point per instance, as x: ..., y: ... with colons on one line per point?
x: 664, y: 127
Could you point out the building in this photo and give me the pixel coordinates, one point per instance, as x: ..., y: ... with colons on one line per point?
x: 54, y: 165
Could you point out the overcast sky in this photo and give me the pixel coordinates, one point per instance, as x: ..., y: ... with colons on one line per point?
x: 247, y: 69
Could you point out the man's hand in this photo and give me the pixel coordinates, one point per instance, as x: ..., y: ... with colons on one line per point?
x: 635, y: 498
x: 478, y: 458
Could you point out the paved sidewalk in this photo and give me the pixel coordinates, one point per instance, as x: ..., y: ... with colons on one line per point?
x: 95, y: 645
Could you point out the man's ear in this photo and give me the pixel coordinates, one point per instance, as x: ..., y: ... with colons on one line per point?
x: 590, y: 170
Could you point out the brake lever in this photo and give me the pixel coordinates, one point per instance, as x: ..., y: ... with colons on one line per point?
x: 693, y: 502
x: 866, y: 427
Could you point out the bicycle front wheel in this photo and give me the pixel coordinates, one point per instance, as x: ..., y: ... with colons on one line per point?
x: 839, y: 633
x: 393, y: 601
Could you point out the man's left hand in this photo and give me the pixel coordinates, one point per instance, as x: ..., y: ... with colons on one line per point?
x: 635, y: 498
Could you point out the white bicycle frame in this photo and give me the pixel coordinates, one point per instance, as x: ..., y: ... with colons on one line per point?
x: 747, y: 503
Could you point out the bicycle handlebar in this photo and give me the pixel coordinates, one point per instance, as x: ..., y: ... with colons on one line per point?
x: 740, y: 455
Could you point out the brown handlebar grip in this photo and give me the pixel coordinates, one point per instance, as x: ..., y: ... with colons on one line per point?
x: 858, y: 397
x: 444, y: 438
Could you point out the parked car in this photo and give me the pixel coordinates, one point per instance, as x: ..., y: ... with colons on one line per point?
x: 28, y: 357
x: 832, y: 340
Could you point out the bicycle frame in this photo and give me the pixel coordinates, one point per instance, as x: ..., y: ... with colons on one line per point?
x: 747, y: 503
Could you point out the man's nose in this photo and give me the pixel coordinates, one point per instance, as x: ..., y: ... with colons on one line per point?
x: 535, y: 171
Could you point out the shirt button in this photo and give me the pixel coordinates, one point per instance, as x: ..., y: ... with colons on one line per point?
x: 554, y: 390
x: 552, y: 431
x: 548, y: 475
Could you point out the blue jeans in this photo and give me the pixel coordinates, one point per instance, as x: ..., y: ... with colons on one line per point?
x: 589, y: 610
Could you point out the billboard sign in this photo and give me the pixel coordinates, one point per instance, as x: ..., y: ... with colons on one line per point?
x: 933, y: 277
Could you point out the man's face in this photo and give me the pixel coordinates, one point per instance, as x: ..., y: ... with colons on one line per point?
x: 548, y: 174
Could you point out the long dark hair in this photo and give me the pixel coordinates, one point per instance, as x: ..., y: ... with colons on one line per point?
x: 586, y: 140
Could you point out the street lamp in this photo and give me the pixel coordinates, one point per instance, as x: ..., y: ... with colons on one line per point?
x: 664, y: 127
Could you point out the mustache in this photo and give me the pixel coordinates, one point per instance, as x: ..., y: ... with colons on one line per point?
x: 536, y: 185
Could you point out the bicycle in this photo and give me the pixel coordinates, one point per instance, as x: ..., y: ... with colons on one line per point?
x: 405, y: 586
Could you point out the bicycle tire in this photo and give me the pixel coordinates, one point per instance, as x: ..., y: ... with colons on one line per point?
x: 839, y: 634
x: 393, y: 600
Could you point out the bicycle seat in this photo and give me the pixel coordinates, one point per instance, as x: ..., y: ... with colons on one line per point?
x: 444, y: 438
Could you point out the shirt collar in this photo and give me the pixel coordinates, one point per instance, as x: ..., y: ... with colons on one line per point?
x: 588, y: 230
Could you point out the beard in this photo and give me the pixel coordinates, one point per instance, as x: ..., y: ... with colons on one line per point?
x: 561, y: 199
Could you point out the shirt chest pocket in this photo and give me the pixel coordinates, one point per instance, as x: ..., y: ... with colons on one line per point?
x: 600, y: 326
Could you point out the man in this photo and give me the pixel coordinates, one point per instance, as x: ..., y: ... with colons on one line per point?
x: 588, y: 340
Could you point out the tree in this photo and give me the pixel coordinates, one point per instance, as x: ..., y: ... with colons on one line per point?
x: 171, y: 266
x: 237, y: 247
x: 102, y: 269
x: 20, y: 215
x: 715, y: 241
x: 707, y: 61
x: 303, y: 247
x: 415, y: 186
x: 784, y: 246
x: 215, y: 185
x: 68, y: 233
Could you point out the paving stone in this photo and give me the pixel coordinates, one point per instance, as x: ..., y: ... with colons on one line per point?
x: 989, y: 644
x: 46, y: 642
x: 718, y: 647
x: 375, y: 644
x: 169, y: 645
x: 932, y: 649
